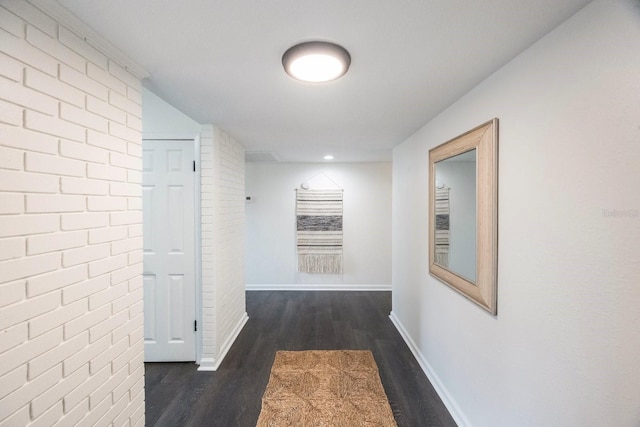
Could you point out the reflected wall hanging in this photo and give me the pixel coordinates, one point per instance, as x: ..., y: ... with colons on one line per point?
x: 319, y: 231
x: 442, y: 227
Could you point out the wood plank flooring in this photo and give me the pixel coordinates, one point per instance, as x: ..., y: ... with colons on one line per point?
x: 178, y: 395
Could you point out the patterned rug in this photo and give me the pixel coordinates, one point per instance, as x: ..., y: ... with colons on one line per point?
x: 325, y: 389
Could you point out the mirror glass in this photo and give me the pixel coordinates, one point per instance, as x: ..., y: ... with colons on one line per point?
x: 455, y: 214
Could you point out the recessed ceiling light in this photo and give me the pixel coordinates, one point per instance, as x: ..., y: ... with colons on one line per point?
x: 316, y: 61
x: 328, y: 157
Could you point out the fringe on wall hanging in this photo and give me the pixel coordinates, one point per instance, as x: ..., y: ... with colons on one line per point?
x: 319, y: 231
x: 442, y: 227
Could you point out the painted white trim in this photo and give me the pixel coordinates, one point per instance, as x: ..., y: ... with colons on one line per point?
x: 316, y: 287
x: 455, y: 411
x: 231, y: 339
x: 211, y: 364
x: 198, y: 230
x: 75, y: 24
x: 207, y: 364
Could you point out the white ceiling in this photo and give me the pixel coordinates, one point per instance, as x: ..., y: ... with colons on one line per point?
x: 220, y: 62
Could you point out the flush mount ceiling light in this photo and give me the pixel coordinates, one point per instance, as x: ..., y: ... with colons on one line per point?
x: 328, y: 157
x: 316, y: 61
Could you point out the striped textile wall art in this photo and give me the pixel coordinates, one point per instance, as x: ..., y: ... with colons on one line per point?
x: 319, y: 231
x: 442, y: 227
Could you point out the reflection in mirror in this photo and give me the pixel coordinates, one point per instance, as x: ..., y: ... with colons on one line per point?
x: 455, y: 214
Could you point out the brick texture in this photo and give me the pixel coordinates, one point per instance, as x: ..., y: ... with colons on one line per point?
x: 222, y: 211
x: 70, y: 221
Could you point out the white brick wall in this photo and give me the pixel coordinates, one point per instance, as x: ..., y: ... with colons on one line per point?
x: 208, y: 290
x: 229, y: 226
x: 70, y: 212
x: 222, y: 204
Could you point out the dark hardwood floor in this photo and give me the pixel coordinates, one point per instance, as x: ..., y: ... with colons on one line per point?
x: 178, y: 395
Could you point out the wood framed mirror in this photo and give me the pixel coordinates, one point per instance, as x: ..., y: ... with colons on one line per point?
x: 463, y: 214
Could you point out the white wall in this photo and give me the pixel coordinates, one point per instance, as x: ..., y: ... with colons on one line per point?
x: 71, y: 322
x: 161, y: 118
x: 564, y: 348
x: 271, y: 242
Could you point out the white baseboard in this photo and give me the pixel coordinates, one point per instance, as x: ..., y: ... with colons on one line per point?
x: 317, y: 287
x: 211, y: 364
x: 442, y: 391
x: 207, y: 364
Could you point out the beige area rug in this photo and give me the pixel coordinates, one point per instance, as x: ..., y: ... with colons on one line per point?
x: 325, y: 389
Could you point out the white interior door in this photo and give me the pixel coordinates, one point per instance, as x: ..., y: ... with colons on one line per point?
x: 169, y: 252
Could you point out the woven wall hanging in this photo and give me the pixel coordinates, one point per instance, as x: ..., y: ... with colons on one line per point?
x: 319, y: 231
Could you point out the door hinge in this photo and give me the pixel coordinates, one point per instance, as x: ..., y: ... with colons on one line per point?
x: 195, y: 326
x: 194, y: 165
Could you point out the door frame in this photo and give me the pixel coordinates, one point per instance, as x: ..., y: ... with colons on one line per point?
x: 195, y: 138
